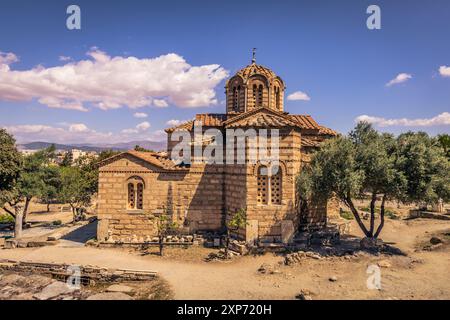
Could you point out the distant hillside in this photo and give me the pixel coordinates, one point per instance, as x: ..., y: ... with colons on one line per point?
x: 151, y: 145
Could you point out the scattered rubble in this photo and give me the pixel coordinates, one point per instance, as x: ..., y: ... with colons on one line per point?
x: 305, y: 294
x: 54, y: 290
x: 268, y: 269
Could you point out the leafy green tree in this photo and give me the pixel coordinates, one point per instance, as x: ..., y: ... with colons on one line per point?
x: 376, y: 156
x: 141, y: 149
x: 10, y: 167
x: 89, y: 168
x: 366, y: 162
x: 444, y: 140
x: 67, y: 160
x: 74, y: 190
x: 31, y: 182
x: 424, y: 163
x: 52, y: 181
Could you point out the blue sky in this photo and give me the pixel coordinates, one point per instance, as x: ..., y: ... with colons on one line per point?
x: 321, y: 48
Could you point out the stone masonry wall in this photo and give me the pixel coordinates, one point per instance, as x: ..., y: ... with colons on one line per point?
x: 194, y: 199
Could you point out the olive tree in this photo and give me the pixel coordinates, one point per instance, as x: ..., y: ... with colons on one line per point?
x: 425, y: 164
x: 365, y: 162
x: 10, y: 168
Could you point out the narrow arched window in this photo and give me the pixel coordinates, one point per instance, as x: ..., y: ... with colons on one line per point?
x: 275, y: 187
x: 255, y: 89
x: 277, y: 98
x: 260, y: 96
x: 263, y: 186
x: 236, y: 94
x: 135, y: 196
x: 131, y: 196
x: 269, y: 186
x: 140, y: 196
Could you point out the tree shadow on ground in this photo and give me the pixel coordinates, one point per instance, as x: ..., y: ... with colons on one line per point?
x: 82, y: 234
x: 348, y: 245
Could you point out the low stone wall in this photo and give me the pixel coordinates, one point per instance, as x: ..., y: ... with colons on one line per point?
x: 428, y: 215
x: 88, y: 274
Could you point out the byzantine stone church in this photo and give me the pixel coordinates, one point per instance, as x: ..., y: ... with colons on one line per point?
x: 135, y: 187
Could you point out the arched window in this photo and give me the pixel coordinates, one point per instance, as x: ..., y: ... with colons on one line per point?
x: 236, y: 95
x: 260, y: 96
x: 131, y: 196
x: 140, y: 196
x: 135, y: 198
x: 269, y: 186
x: 254, y: 94
x: 277, y: 98
x: 275, y: 187
x: 263, y: 186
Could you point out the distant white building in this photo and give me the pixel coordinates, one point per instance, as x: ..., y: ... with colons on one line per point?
x: 75, y: 154
x: 27, y: 152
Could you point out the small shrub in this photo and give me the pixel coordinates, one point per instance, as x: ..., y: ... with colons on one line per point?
x: 346, y: 215
x: 391, y: 214
x: 57, y: 222
x: 6, y: 218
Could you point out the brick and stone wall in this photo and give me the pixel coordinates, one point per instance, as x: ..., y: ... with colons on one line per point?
x: 193, y: 198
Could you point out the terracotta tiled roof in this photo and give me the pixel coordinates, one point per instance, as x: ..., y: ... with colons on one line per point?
x: 306, y: 142
x: 327, y: 131
x: 207, y: 119
x: 211, y: 119
x: 254, y: 68
x: 150, y: 157
x: 305, y: 121
x: 262, y: 120
x: 184, y: 126
x: 261, y: 117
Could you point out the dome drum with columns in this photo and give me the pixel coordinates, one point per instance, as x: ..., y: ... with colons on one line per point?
x: 253, y: 87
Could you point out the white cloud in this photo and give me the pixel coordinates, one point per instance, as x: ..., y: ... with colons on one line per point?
x: 298, y: 95
x: 439, y: 120
x: 65, y: 58
x: 160, y: 103
x: 7, y: 58
x: 80, y: 133
x: 141, y: 127
x: 400, y: 78
x: 140, y: 115
x: 444, y: 71
x: 75, y: 133
x: 173, y: 122
x: 78, y: 127
x: 112, y: 82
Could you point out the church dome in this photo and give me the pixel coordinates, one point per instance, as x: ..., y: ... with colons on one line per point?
x: 252, y: 87
x: 254, y: 69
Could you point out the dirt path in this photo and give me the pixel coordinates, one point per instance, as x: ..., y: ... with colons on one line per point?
x: 420, y: 275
